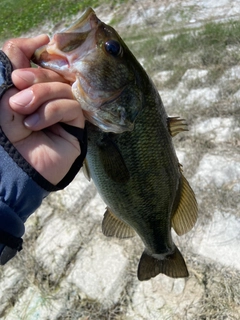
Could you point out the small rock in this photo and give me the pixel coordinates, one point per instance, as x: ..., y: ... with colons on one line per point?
x: 219, y: 240
x: 56, y: 244
x: 220, y: 171
x: 195, y: 74
x: 99, y: 271
x: 202, y: 97
x: 161, y: 298
x: 231, y: 74
x: 217, y: 129
x: 162, y: 76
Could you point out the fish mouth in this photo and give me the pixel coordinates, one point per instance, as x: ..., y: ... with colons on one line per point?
x: 69, y: 46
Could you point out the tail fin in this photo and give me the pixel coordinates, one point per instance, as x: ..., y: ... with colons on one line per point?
x: 172, y: 265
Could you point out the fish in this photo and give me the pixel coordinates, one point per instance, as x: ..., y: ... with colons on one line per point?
x: 131, y: 158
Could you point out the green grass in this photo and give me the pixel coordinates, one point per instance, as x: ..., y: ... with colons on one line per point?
x: 207, y: 47
x: 18, y: 16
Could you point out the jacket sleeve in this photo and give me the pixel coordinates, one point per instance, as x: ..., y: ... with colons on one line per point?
x: 20, y: 196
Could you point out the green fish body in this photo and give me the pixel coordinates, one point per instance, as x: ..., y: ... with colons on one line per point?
x: 130, y: 157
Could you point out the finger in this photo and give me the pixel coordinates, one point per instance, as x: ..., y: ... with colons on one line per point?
x: 59, y: 110
x: 20, y: 50
x: 29, y: 100
x: 10, y: 121
x: 24, y: 78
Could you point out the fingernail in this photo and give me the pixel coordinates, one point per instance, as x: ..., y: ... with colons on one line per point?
x: 27, y: 76
x: 22, y: 98
x: 32, y: 120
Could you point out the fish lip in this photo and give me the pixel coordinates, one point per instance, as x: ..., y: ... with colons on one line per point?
x: 86, y: 15
x: 82, y: 23
x: 42, y: 57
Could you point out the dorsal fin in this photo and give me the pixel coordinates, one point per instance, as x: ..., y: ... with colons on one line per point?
x: 86, y: 170
x: 185, y: 216
x: 114, y: 227
x: 176, y: 125
x: 172, y: 265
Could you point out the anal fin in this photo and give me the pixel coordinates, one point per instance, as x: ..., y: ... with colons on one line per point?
x: 176, y: 125
x: 185, y: 216
x: 114, y: 227
x: 172, y: 265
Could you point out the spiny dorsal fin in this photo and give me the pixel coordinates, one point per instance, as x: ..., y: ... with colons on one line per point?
x: 176, y: 125
x: 86, y: 170
x: 112, y: 161
x: 114, y: 227
x: 185, y: 216
x: 172, y: 265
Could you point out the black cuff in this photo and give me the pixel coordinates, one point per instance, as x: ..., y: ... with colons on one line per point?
x: 81, y: 135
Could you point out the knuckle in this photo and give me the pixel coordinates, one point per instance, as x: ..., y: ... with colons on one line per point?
x: 42, y: 90
x: 54, y: 106
x: 41, y: 75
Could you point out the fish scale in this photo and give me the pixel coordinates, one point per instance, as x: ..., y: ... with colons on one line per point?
x: 130, y: 158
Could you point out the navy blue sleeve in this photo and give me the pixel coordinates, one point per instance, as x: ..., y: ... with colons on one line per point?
x: 20, y: 196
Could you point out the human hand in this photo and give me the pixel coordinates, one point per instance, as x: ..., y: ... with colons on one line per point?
x: 29, y: 118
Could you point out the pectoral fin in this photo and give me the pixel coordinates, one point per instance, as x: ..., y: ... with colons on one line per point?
x: 114, y: 227
x: 185, y: 216
x: 176, y: 125
x: 112, y: 161
x: 172, y: 265
x: 86, y: 170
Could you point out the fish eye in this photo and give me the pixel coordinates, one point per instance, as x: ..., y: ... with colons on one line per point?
x: 113, y: 47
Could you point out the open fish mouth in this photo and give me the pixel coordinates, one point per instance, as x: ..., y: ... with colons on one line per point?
x: 68, y: 54
x: 69, y: 46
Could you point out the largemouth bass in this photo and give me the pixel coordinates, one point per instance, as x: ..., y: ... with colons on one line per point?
x: 130, y: 157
